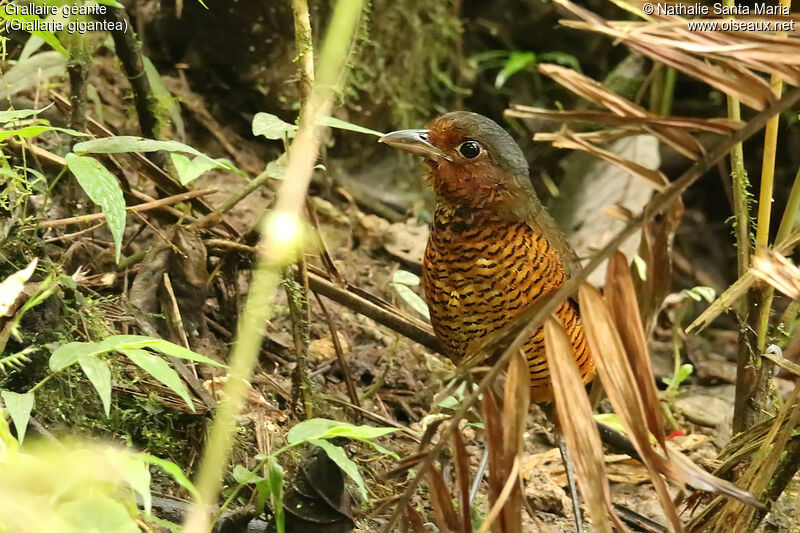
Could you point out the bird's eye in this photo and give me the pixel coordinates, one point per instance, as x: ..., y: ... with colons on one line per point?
x: 470, y: 149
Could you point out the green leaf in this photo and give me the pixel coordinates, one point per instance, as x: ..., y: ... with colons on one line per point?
x: 339, y: 457
x: 641, y: 267
x: 612, y: 420
x: 244, y: 476
x: 323, y: 428
x: 275, y: 483
x: 272, y: 127
x: 112, y: 3
x: 275, y: 170
x: 25, y: 74
x: 173, y: 470
x: 163, y: 97
x: 128, y: 143
x: 332, y: 122
x: 32, y: 131
x: 134, y: 472
x: 174, y: 350
x: 405, y: 278
x: 701, y: 293
x: 16, y: 114
x: 46, y: 36
x: 100, y: 377
x: 104, y: 190
x: 568, y: 60
x: 96, y: 514
x: 160, y: 370
x: 68, y: 354
x: 412, y: 299
x: 32, y: 45
x: 515, y: 63
x: 19, y: 406
x: 191, y: 169
x: 684, y: 372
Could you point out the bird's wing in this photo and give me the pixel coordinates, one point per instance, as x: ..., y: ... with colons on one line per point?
x: 544, y: 224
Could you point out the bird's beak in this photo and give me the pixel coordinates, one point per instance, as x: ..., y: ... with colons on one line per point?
x: 415, y: 142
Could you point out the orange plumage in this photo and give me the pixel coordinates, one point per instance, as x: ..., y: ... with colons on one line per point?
x: 493, y: 250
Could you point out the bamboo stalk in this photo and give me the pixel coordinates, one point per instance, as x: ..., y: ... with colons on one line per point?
x: 753, y: 378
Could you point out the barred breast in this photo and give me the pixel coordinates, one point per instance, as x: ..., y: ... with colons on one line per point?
x: 480, y: 272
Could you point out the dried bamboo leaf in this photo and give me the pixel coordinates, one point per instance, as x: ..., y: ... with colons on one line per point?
x: 776, y: 270
x: 616, y: 374
x: 621, y: 298
x: 784, y: 363
x: 577, y: 423
x: 656, y: 250
x: 414, y: 520
x: 712, y: 125
x: 446, y: 518
x: 462, y: 480
x: 618, y: 380
x: 724, y: 60
x: 499, y: 505
x: 653, y: 178
x: 739, y: 288
x: 762, y: 468
x: 723, y: 302
x: 588, y: 88
x: 493, y: 427
x: 597, y: 137
x: 515, y: 412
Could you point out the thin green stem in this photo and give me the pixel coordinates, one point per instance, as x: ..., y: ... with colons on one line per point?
x: 790, y: 214
x: 279, y: 246
x: 39, y: 385
x: 253, y: 471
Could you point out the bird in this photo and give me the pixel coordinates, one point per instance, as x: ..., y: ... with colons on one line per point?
x: 493, y: 250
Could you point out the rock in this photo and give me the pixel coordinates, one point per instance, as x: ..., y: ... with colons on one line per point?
x: 543, y: 494
x: 703, y: 410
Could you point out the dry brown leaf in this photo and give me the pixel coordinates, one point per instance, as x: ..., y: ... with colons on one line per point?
x: 653, y: 178
x: 590, y: 89
x: 712, y: 125
x: 446, y: 518
x: 462, y: 480
x: 621, y: 297
x: 577, y: 423
x: 617, y: 375
x: 724, y: 60
x: 776, y: 270
x: 656, y: 250
x: 619, y: 382
x: 738, y: 289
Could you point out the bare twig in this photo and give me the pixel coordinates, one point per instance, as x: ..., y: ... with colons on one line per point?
x: 337, y: 346
x: 147, y: 206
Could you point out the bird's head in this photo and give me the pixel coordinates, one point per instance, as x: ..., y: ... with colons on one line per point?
x: 471, y: 162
